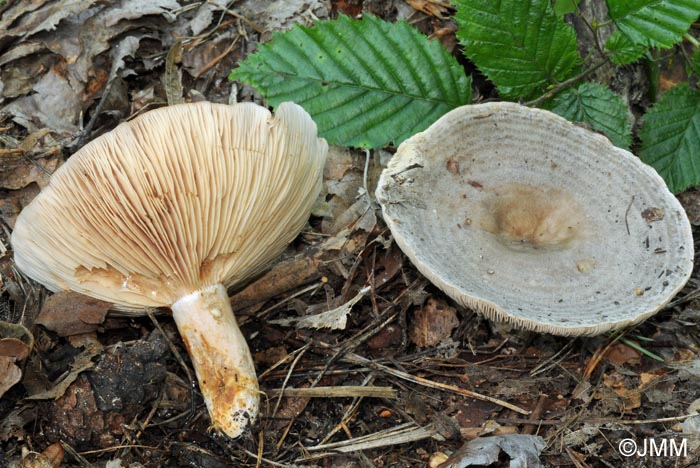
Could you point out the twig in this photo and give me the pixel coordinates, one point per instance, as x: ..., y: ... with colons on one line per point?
x: 357, y: 359
x: 178, y: 358
x: 401, y: 434
x: 279, y: 400
x: 599, y: 354
x: 284, y: 301
x: 536, y: 413
x: 85, y: 132
x: 289, y: 374
x: 76, y: 456
x: 336, y: 392
x: 348, y: 413
x: 528, y: 421
x: 554, y: 360
x: 266, y: 460
x: 261, y: 445
x: 146, y: 422
x: 217, y: 59
x: 257, y: 28
x: 627, y: 212
x: 638, y: 421
x: 564, y: 85
x: 574, y: 459
x: 688, y: 37
x: 353, y: 343
x: 117, y: 447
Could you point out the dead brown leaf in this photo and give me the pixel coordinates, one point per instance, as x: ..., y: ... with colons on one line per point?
x: 49, y: 458
x: 22, y: 168
x: 25, y: 19
x: 69, y: 313
x: 14, y: 348
x: 620, y: 354
x: 392, y: 262
x: 10, y: 374
x: 433, y: 324
x: 437, y: 8
x: 691, y: 203
x: 81, y: 363
x: 13, y: 202
x: 631, y: 397
x: 15, y: 345
x: 173, y: 75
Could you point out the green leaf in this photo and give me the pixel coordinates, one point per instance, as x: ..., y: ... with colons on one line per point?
x: 693, y: 65
x: 623, y: 50
x: 655, y: 23
x: 563, y: 7
x: 670, y: 138
x: 365, y: 83
x: 520, y: 45
x: 596, y: 105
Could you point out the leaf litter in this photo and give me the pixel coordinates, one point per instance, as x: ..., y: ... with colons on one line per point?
x: 113, y: 392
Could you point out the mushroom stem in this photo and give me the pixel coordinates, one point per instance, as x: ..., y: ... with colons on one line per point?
x: 221, y: 358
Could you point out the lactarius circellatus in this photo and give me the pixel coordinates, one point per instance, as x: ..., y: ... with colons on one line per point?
x: 529, y: 219
x: 172, y: 208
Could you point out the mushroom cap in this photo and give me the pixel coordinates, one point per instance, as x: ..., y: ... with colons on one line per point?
x: 529, y: 219
x: 178, y: 199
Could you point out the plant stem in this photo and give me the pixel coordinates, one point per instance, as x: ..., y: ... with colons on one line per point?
x: 689, y: 37
x: 565, y: 85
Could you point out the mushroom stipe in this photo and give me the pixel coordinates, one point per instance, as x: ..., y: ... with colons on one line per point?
x: 170, y: 209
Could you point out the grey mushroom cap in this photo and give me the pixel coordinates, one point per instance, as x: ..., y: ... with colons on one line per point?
x: 521, y: 215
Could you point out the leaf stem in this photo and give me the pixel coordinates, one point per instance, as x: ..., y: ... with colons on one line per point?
x: 688, y: 37
x: 565, y: 85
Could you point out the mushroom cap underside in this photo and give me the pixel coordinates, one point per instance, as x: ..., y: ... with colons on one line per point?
x: 177, y: 199
x: 529, y: 219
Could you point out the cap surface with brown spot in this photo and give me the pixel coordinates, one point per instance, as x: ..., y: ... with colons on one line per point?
x: 546, y: 225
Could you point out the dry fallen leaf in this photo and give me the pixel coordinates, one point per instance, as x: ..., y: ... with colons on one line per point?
x: 55, y: 34
x: 15, y: 345
x: 69, y: 313
x: 433, y: 324
x: 523, y: 450
x: 437, y: 8
x: 10, y: 374
x: 81, y: 363
x: 620, y: 354
x: 631, y: 397
x: 335, y: 319
x: 51, y: 457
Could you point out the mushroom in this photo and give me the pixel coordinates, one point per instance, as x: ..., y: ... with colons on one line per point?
x: 172, y: 208
x: 529, y: 219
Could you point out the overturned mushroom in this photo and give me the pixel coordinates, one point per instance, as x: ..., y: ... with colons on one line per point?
x: 529, y: 219
x: 169, y: 210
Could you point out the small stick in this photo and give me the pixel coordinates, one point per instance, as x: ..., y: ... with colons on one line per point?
x: 355, y: 359
x: 336, y: 392
x: 401, y: 434
x: 536, y: 413
x: 217, y: 59
x: 348, y: 413
x: 639, y: 421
